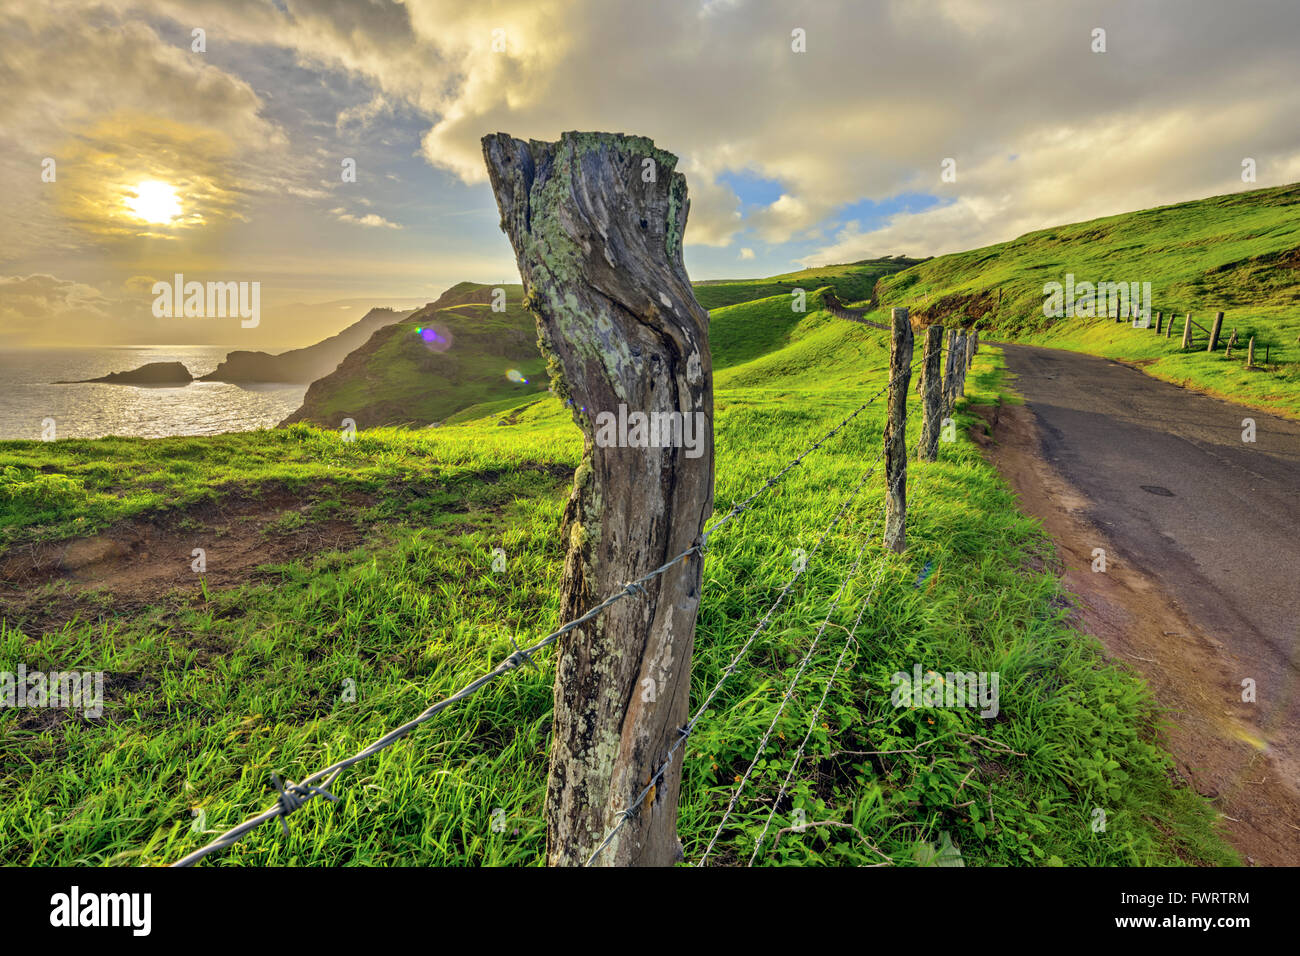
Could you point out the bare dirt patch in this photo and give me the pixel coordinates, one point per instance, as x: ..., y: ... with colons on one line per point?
x: 136, y: 563
x: 1218, y: 749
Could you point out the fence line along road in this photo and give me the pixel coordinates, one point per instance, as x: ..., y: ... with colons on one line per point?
x: 294, y: 795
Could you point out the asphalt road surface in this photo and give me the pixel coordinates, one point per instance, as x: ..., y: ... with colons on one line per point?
x: 1168, y: 477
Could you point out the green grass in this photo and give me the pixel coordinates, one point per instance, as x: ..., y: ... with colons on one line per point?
x: 1239, y: 254
x: 209, y: 691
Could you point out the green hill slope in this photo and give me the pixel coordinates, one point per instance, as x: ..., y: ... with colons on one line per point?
x: 1239, y: 254
x: 450, y: 354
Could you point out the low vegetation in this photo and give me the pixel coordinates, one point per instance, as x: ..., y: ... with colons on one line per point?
x: 306, y: 660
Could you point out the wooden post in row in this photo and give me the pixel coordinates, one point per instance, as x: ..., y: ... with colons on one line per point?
x: 1250, y: 353
x: 900, y: 375
x: 931, y: 394
x: 975, y: 340
x: 1169, y: 329
x: 954, y: 357
x: 949, y: 370
x: 1160, y: 322
x: 599, y: 248
x: 959, y: 379
x: 1214, y: 331
x: 1187, y: 330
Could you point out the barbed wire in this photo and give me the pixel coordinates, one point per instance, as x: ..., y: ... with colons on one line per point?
x: 789, y: 692
x: 741, y: 506
x: 685, y: 732
x: 849, y: 642
x: 294, y: 794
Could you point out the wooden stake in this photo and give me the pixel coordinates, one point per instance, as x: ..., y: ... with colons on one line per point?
x: 1214, y: 331
x: 900, y: 373
x: 931, y: 394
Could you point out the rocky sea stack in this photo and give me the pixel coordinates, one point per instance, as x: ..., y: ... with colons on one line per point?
x: 155, y: 373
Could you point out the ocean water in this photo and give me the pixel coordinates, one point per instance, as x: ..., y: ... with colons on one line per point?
x: 28, y: 395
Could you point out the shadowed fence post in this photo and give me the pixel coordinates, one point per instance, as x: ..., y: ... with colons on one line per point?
x: 959, y: 367
x: 1214, y: 331
x: 931, y: 393
x: 596, y: 222
x: 900, y: 375
x: 1169, y: 329
x: 1160, y: 322
x: 1187, y: 331
x: 949, y: 360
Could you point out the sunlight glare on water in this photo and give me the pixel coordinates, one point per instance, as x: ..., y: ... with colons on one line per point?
x: 27, y: 395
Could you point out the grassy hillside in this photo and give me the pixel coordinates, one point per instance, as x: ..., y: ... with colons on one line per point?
x: 1239, y: 254
x: 452, y: 353
x: 371, y: 568
x: 851, y: 282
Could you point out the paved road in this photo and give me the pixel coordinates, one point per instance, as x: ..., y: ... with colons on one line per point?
x: 1168, y: 477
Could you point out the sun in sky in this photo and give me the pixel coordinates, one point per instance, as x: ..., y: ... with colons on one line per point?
x: 155, y: 202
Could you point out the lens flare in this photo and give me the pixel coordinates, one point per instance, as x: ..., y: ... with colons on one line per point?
x: 434, y: 339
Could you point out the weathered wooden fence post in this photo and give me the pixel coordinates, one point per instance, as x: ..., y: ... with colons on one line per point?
x: 1169, y: 329
x: 931, y: 393
x: 959, y: 369
x: 1214, y: 331
x: 1160, y: 322
x: 950, y: 370
x: 900, y: 374
x: 596, y: 222
x: 1250, y: 353
x: 1187, y: 331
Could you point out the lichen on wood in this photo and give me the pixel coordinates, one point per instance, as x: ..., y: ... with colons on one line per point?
x: 599, y: 248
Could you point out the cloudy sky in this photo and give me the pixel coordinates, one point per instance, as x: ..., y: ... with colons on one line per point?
x: 226, y: 164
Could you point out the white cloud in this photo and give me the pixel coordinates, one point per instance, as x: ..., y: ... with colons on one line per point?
x: 370, y: 220
x: 888, y: 90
